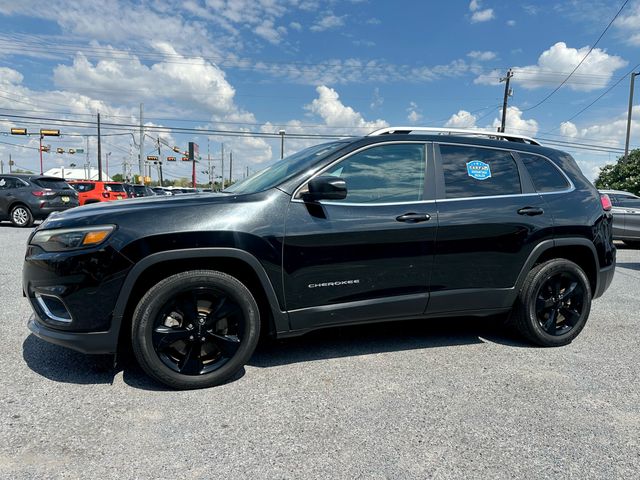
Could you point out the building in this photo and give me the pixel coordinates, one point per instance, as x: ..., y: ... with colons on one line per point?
x: 76, y: 173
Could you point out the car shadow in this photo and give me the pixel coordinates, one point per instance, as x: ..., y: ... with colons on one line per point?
x: 60, y: 364
x: 629, y: 265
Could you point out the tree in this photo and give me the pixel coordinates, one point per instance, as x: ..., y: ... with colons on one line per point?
x: 117, y: 177
x: 623, y: 175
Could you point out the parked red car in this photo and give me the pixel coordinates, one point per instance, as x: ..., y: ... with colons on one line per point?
x: 92, y: 191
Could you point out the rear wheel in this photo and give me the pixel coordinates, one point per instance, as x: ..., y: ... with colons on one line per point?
x: 554, y: 303
x: 195, y: 329
x: 21, y: 216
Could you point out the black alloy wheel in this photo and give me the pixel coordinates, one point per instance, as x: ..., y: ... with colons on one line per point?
x: 560, y: 303
x: 554, y: 303
x: 195, y: 329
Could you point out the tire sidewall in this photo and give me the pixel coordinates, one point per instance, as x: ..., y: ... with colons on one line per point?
x: 150, y: 306
x: 541, y: 276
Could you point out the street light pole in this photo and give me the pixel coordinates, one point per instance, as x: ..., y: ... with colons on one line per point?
x: 281, y: 132
x: 626, y: 144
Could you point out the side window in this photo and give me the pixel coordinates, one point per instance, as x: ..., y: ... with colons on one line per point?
x: 478, y: 172
x: 8, y: 182
x: 384, y: 174
x: 614, y: 200
x: 545, y: 176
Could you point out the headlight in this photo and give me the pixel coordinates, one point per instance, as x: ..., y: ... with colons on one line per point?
x: 71, y: 238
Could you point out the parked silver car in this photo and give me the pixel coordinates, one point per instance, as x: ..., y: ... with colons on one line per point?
x: 626, y: 216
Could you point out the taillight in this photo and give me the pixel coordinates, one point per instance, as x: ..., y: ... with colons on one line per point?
x: 606, y: 202
x: 43, y: 193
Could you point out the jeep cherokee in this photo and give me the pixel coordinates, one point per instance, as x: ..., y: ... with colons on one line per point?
x: 400, y: 224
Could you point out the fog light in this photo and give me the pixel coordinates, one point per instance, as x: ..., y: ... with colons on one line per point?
x: 53, y: 308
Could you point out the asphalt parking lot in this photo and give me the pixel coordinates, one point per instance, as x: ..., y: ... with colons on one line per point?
x: 456, y: 398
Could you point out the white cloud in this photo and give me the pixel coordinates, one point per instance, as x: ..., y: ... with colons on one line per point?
x: 462, y: 119
x: 478, y: 14
x: 482, y: 55
x: 328, y: 22
x: 414, y: 115
x: 516, y: 124
x: 334, y: 113
x: 628, y: 25
x: 511, y: 23
x: 295, y: 26
x: 490, y: 78
x: 377, y: 99
x: 568, y: 129
x: 559, y: 60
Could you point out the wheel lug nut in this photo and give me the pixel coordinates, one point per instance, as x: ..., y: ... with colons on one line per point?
x: 190, y: 337
x: 202, y: 339
x: 201, y: 321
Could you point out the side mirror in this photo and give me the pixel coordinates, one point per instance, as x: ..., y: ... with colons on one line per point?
x: 325, y: 187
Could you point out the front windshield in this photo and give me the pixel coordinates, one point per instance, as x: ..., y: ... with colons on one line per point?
x: 283, y: 169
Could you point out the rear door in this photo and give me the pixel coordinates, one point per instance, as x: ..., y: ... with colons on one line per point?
x: 7, y: 193
x: 370, y: 255
x: 618, y: 216
x: 489, y: 220
x: 631, y: 210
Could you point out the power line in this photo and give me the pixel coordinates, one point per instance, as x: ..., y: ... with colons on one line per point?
x: 581, y: 61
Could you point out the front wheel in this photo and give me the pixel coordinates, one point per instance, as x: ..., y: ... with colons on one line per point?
x: 554, y: 303
x: 195, y: 329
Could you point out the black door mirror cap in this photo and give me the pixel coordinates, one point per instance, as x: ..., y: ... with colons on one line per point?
x: 325, y: 187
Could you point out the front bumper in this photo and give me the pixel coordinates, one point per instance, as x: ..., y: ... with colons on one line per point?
x: 85, y: 342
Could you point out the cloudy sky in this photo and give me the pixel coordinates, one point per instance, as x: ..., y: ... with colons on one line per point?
x: 311, y: 67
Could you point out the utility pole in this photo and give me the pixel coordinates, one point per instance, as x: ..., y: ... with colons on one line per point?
x: 507, y: 94
x: 222, y: 169
x: 210, y: 168
x: 230, y: 167
x: 1, y: 166
x: 106, y: 156
x: 160, y: 163
x: 99, y: 152
x: 41, y: 170
x: 141, y: 157
x: 626, y: 143
x: 281, y: 132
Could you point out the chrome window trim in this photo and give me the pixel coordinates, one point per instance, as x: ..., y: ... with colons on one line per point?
x: 568, y: 190
x: 48, y: 312
x: 295, y: 198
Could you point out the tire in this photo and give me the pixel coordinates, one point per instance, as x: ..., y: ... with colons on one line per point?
x: 554, y: 303
x: 21, y: 216
x: 195, y: 329
x: 632, y: 243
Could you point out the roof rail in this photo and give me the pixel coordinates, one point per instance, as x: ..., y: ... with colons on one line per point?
x: 456, y: 131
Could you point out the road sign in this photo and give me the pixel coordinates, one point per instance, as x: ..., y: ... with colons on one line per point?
x: 79, y: 150
x: 194, y: 151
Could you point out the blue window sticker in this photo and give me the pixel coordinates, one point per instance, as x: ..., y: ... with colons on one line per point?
x: 478, y: 170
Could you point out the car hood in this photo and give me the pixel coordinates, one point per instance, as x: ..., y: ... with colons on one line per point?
x: 141, y: 208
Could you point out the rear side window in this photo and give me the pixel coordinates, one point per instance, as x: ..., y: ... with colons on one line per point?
x: 383, y: 174
x: 545, y: 176
x: 9, y: 182
x: 51, y: 183
x: 478, y: 172
x: 114, y: 187
x: 84, y: 187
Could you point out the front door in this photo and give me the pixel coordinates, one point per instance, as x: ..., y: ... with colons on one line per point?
x: 368, y: 256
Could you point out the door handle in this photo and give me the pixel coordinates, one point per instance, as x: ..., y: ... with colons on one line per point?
x: 531, y: 211
x: 413, y: 217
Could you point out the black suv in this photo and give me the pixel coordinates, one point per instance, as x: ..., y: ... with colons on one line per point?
x: 395, y: 225
x: 28, y: 197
